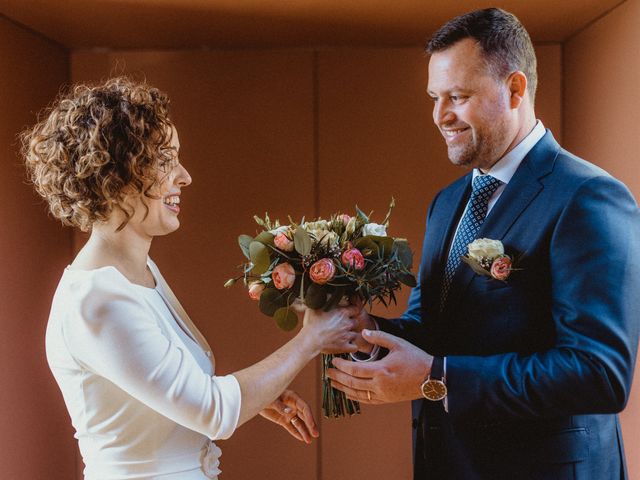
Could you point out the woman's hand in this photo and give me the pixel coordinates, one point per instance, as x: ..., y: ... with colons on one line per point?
x: 294, y: 415
x: 333, y: 331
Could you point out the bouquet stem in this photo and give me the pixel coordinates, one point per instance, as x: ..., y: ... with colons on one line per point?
x: 335, y: 403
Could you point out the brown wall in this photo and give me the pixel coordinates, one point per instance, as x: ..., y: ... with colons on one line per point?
x: 602, y: 124
x: 303, y: 133
x: 36, y: 435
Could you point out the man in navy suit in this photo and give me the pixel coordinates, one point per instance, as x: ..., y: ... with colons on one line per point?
x: 521, y: 378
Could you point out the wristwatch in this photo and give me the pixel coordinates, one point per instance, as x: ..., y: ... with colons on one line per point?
x: 434, y: 388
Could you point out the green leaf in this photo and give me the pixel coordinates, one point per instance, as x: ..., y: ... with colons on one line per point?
x: 367, y: 246
x: 285, y: 318
x: 334, y: 299
x: 385, y: 244
x: 316, y: 296
x: 259, y: 255
x: 266, y: 238
x: 244, y: 241
x: 302, y: 241
x: 408, y: 279
x: 405, y: 255
x: 363, y: 216
x: 475, y: 266
x: 271, y: 300
x: 229, y: 282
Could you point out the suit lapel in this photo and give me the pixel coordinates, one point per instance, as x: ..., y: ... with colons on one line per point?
x: 523, y: 188
x: 445, y: 219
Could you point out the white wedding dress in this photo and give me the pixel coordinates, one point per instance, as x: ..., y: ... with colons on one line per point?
x: 138, y: 379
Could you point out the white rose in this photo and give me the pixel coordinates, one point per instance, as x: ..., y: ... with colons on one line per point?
x: 485, y: 248
x: 374, y: 229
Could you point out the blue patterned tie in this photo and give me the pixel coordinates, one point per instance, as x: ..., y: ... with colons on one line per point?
x: 484, y: 186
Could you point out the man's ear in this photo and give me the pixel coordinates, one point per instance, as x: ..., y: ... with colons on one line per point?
x: 517, y: 84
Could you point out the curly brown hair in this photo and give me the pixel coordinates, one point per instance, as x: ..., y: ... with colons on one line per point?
x: 96, y: 146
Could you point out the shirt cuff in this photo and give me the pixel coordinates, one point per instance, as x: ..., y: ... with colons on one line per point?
x: 368, y: 357
x: 445, y: 402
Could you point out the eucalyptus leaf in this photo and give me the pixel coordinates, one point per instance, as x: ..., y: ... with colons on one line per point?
x: 302, y: 241
x: 316, y: 296
x: 266, y: 238
x: 405, y: 255
x: 385, y: 244
x: 259, y: 255
x: 363, y: 216
x: 271, y: 300
x: 285, y: 318
x: 367, y: 246
x: 408, y: 279
x: 244, y: 241
x: 334, y: 298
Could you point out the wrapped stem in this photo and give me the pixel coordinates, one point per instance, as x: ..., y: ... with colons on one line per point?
x: 335, y: 403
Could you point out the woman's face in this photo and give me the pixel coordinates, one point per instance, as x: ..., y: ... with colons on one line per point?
x: 162, y: 217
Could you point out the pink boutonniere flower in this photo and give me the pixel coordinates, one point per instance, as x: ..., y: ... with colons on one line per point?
x: 486, y: 257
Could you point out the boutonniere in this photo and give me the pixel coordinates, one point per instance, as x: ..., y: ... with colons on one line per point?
x: 486, y: 257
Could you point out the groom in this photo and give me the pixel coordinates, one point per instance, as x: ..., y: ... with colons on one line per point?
x: 523, y: 378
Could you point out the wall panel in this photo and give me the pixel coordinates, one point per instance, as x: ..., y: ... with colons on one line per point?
x: 36, y: 435
x: 602, y: 124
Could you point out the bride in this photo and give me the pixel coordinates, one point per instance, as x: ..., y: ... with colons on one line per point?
x: 137, y: 376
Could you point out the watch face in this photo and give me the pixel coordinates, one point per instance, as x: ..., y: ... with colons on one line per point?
x: 434, y: 390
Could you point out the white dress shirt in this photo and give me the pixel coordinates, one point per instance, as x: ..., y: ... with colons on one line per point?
x: 138, y: 379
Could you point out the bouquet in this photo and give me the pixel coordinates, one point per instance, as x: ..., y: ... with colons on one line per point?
x: 323, y: 264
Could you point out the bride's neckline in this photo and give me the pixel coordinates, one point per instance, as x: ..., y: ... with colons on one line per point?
x: 71, y: 269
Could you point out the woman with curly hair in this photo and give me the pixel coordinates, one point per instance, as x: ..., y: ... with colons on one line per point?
x: 137, y: 376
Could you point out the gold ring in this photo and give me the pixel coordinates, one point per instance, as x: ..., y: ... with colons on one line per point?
x: 368, y: 395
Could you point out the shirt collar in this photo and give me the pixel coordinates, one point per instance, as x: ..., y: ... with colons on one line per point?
x: 504, y: 168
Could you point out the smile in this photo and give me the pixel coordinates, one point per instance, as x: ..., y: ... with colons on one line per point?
x: 173, y: 203
x: 452, y: 134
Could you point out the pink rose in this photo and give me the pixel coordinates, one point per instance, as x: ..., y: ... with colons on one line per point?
x: 501, y: 268
x: 344, y: 218
x: 353, y: 258
x: 283, y: 276
x: 255, y: 290
x: 322, y: 271
x: 283, y: 242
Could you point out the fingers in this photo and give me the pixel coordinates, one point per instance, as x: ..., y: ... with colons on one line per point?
x: 357, y: 369
x: 362, y: 396
x: 303, y: 411
x: 383, y: 339
x: 349, y: 381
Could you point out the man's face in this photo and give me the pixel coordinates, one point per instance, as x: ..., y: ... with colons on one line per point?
x: 471, y: 107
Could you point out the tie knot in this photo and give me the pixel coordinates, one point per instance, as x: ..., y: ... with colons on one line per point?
x: 485, y: 185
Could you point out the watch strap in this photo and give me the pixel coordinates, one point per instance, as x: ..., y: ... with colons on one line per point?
x: 437, y: 368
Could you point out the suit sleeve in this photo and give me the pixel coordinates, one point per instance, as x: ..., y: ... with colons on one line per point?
x: 410, y: 325
x: 112, y: 334
x: 595, y: 289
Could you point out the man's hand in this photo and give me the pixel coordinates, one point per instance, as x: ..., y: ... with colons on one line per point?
x: 395, y: 378
x: 294, y: 415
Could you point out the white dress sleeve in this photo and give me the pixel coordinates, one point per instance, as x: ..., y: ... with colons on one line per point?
x: 113, y: 334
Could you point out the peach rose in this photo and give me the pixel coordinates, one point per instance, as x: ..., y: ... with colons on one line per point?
x: 283, y: 276
x: 322, y: 271
x: 353, y: 258
x: 501, y: 268
x: 255, y: 290
x: 283, y: 242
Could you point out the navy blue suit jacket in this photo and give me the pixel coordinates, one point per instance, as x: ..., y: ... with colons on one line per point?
x: 537, y: 367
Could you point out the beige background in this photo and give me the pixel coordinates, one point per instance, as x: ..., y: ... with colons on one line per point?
x: 292, y: 131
